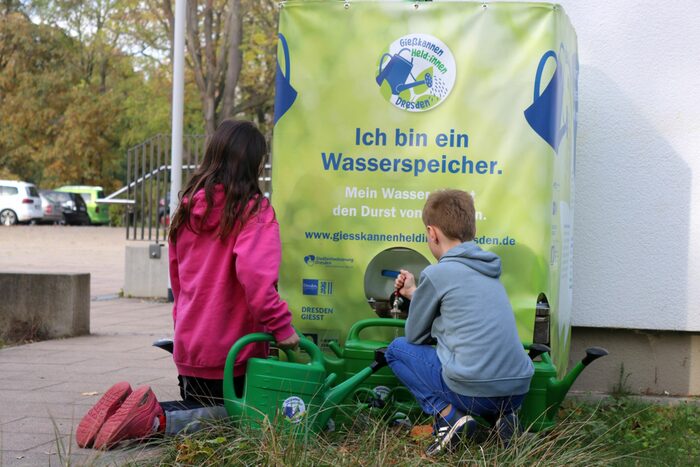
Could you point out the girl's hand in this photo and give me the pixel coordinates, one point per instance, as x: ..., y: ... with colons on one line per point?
x: 405, y: 284
x: 290, y: 342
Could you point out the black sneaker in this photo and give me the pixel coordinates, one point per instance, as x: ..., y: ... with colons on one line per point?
x: 507, y: 426
x: 448, y: 436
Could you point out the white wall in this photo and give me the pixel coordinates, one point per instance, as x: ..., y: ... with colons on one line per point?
x: 637, y: 211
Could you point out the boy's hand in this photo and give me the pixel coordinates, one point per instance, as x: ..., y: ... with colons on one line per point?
x: 405, y: 284
x: 290, y: 342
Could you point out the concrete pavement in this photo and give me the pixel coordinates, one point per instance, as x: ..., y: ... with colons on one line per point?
x: 46, y: 387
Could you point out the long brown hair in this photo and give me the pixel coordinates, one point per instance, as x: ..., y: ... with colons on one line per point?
x: 233, y: 158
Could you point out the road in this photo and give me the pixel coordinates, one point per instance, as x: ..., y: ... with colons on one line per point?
x: 67, y: 249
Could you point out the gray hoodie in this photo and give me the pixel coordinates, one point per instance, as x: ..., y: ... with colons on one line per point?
x: 461, y: 302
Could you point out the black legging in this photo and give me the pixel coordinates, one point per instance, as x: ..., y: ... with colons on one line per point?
x: 201, y: 392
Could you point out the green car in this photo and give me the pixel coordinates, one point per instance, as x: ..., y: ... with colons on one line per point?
x: 98, y: 213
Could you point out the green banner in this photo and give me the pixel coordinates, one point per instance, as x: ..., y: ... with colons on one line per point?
x: 378, y: 104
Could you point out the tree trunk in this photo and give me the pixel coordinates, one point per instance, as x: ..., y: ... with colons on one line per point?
x: 235, y: 60
x: 214, y: 54
x: 209, y: 106
x: 103, y: 75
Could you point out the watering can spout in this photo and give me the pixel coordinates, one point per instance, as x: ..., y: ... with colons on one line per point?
x: 337, y: 394
x: 561, y: 387
x: 546, y: 393
x: 592, y: 354
x: 537, y: 349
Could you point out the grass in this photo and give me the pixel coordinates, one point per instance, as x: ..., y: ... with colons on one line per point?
x: 616, y: 432
x: 374, y: 442
x: 621, y: 388
x: 647, y: 434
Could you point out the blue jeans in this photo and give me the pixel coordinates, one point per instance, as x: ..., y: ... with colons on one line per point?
x: 419, y: 369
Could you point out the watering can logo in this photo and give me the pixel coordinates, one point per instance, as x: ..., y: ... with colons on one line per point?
x: 544, y: 114
x: 294, y: 409
x: 397, y: 71
x: 417, y: 73
x: 285, y: 94
x: 382, y: 392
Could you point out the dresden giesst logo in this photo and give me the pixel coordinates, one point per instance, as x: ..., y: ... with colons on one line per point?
x: 417, y: 73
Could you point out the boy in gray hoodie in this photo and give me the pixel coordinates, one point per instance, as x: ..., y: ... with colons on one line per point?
x: 478, y: 366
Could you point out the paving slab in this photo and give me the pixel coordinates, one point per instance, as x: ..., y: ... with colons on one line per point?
x: 37, y: 425
x: 22, y: 458
x: 35, y: 442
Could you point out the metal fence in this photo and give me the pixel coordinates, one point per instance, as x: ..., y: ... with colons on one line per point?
x: 148, y: 174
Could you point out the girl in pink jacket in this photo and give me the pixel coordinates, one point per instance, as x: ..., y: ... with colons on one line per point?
x: 224, y: 254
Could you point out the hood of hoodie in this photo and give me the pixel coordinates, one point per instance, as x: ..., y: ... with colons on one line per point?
x: 198, y: 208
x: 469, y: 254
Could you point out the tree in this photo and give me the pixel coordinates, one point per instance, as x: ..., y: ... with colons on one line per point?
x: 229, y: 45
x: 96, y: 24
x: 83, y: 80
x: 57, y: 127
x: 36, y: 74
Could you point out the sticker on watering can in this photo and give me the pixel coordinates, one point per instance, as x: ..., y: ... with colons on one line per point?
x: 417, y: 73
x: 293, y: 409
x: 382, y: 392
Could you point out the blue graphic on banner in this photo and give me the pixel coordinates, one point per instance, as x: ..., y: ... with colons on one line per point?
x: 325, y: 288
x: 309, y: 286
x: 285, y: 94
x: 316, y: 287
x: 544, y: 114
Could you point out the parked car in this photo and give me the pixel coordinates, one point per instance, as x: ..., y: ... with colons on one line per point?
x: 53, y: 211
x: 99, y: 213
x: 19, y: 202
x: 73, y: 206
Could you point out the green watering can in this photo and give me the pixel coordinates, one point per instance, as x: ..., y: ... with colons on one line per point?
x: 298, y: 394
x: 358, y: 353
x: 546, y: 393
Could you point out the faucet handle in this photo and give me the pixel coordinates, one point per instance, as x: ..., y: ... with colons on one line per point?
x: 379, y: 360
x: 593, y: 353
x: 537, y: 349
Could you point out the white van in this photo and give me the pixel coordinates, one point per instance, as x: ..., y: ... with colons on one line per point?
x: 19, y: 202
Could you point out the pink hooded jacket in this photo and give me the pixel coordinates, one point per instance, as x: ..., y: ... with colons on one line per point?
x: 225, y: 289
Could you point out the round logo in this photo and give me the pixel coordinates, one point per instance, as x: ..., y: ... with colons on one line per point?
x: 382, y: 392
x: 293, y: 409
x: 417, y: 73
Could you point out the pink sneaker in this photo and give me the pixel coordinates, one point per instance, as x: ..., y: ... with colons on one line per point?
x: 139, y: 417
x: 99, y: 413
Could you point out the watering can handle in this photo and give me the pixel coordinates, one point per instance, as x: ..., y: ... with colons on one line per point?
x: 305, y: 344
x: 405, y: 48
x: 229, y: 392
x: 285, y: 50
x: 354, y: 333
x: 540, y: 69
x: 381, y: 61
